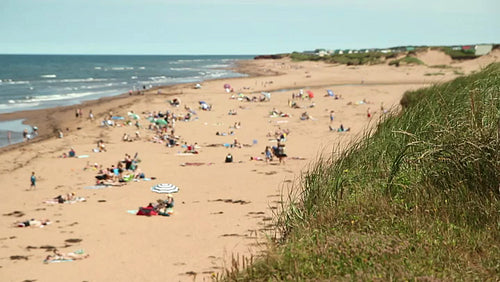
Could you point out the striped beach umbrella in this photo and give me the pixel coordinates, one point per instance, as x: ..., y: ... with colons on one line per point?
x: 165, y: 188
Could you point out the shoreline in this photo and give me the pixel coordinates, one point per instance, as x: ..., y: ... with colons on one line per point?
x: 50, y: 120
x: 48, y: 125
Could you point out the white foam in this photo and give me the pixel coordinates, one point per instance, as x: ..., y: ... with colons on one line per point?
x: 216, y: 66
x: 182, y: 69
x: 48, y: 76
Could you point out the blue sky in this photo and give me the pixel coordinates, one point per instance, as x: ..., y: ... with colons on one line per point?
x: 239, y: 26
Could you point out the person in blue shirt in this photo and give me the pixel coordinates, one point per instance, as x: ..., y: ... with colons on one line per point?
x: 33, y: 180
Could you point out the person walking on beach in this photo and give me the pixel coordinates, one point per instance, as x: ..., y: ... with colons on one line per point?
x: 269, y: 154
x: 9, y: 137
x: 331, y: 116
x: 91, y: 115
x: 33, y: 181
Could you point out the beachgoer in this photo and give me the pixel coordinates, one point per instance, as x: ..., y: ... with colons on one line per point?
x: 236, y: 143
x: 229, y: 158
x: 33, y: 180
x: 127, y: 161
x: 331, y: 116
x: 66, y: 198
x: 57, y: 256
x: 76, y: 113
x: 101, y: 147
x: 368, y: 113
x: 25, y: 134
x: 268, y: 153
x: 32, y: 223
x: 169, y: 202
x: 91, y: 115
x: 72, y: 153
x: 9, y: 136
x: 280, y: 152
x: 61, y: 134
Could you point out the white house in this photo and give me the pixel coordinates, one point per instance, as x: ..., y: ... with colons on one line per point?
x: 482, y: 49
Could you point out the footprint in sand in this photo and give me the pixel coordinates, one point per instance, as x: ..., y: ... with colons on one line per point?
x: 15, y: 213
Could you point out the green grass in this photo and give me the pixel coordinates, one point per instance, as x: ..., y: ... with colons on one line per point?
x: 416, y: 199
x: 369, y: 58
x: 433, y: 73
x: 459, y: 54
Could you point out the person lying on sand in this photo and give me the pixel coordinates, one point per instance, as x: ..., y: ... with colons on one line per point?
x: 65, y: 198
x: 57, y: 256
x: 340, y: 129
x: 32, y: 223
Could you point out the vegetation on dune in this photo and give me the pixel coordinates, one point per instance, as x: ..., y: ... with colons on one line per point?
x: 369, y: 58
x: 408, y: 60
x: 418, y: 198
x: 459, y: 54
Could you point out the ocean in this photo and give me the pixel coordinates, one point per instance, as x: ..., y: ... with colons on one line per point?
x: 29, y: 82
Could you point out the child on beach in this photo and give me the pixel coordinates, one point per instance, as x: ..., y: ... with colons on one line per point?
x: 33, y: 180
x: 269, y: 154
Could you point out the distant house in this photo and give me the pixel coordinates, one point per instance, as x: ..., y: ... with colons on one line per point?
x: 468, y: 48
x: 482, y: 49
x: 456, y: 48
x: 320, y: 52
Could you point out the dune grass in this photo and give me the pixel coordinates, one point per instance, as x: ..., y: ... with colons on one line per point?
x: 417, y: 198
x: 408, y: 60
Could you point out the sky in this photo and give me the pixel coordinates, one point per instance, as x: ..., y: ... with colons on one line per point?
x: 196, y: 27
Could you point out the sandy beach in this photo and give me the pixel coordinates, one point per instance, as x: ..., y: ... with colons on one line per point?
x: 222, y: 210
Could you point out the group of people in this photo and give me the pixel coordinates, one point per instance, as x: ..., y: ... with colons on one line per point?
x: 124, y: 171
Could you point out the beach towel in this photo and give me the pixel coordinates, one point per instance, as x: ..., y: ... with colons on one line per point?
x: 57, y: 260
x: 165, y: 188
x: 147, y: 211
x: 102, y: 186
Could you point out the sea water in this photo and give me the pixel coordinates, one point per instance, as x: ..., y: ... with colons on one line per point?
x: 29, y: 82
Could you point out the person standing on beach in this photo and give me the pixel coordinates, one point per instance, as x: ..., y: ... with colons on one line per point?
x: 331, y: 116
x: 25, y: 135
x: 9, y: 137
x: 91, y: 115
x: 33, y: 181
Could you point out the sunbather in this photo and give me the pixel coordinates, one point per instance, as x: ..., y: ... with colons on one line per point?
x: 32, y: 223
x: 57, y: 256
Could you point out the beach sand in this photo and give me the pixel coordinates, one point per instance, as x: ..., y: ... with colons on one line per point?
x: 222, y: 210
